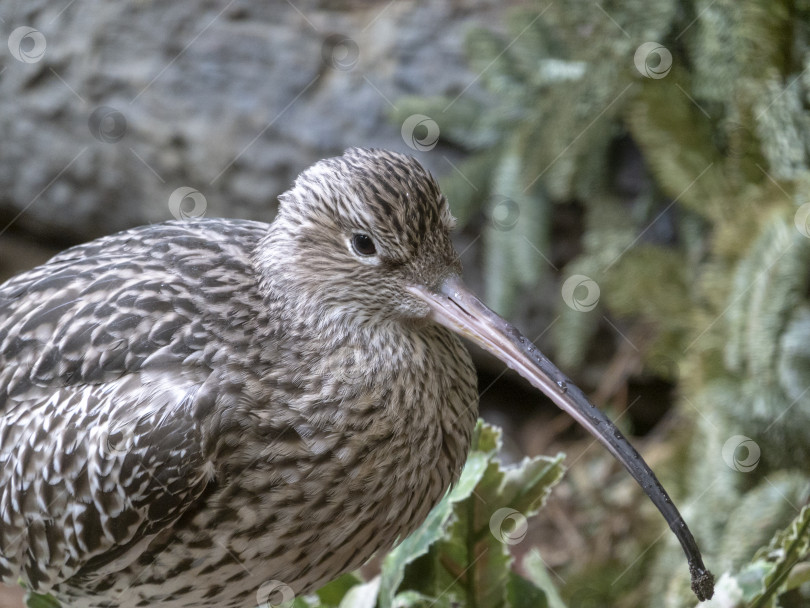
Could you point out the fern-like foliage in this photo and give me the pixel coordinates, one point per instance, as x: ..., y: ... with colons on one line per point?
x: 710, y: 253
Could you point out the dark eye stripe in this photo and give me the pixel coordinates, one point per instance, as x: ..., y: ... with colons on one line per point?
x: 363, y: 245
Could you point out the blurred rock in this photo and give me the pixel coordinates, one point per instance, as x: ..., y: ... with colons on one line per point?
x: 19, y: 253
x: 130, y: 101
x: 11, y: 597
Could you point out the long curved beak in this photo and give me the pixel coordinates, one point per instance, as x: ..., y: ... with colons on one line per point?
x: 457, y: 308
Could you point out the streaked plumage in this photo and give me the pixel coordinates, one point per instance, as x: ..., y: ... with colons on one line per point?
x: 192, y: 409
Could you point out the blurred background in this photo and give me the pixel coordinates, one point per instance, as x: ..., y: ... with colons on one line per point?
x: 632, y: 185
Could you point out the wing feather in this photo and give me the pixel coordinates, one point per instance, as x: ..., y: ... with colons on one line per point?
x: 103, y: 351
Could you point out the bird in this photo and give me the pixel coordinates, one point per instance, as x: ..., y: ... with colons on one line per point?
x: 193, y: 408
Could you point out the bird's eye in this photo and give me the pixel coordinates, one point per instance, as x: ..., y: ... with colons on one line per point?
x: 363, y: 245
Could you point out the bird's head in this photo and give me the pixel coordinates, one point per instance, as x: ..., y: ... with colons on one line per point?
x: 356, y: 231
x: 364, y: 239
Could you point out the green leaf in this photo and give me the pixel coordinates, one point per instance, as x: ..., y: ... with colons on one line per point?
x: 788, y: 547
x: 474, y: 564
x: 310, y: 601
x: 749, y: 579
x: 800, y: 575
x: 333, y: 593
x: 486, y: 439
x: 39, y: 600
x: 523, y: 594
x: 475, y: 556
x: 527, y: 486
x: 414, y: 599
x: 537, y: 573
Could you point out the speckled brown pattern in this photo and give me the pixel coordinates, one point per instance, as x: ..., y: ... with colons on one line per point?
x: 192, y: 409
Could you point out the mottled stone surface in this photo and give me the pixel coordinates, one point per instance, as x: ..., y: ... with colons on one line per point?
x: 129, y: 102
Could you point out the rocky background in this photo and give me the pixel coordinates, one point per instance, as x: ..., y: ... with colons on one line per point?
x: 111, y: 107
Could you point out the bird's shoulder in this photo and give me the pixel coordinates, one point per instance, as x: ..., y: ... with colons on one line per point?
x: 105, y: 308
